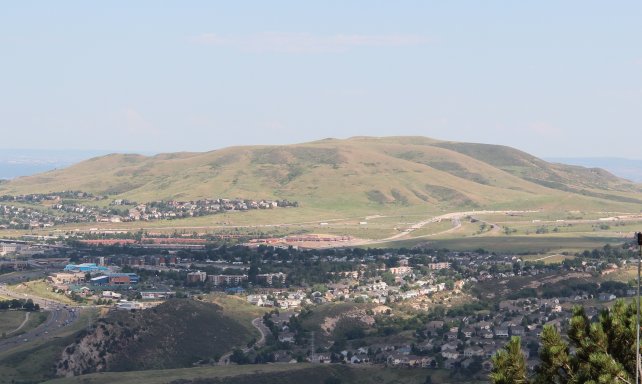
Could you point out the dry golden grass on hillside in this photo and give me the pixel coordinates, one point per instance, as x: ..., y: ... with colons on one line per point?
x: 355, y: 176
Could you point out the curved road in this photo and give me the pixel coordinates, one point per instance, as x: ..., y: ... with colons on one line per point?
x: 455, y: 217
x: 56, y: 321
x: 59, y: 317
x: 263, y: 330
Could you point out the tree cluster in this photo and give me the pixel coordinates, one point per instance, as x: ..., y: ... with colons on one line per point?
x: 20, y: 304
x: 601, y: 350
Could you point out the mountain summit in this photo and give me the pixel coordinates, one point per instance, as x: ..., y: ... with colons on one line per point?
x: 333, y: 174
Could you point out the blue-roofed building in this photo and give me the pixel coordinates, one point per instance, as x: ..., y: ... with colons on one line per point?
x: 235, y: 290
x: 85, y: 267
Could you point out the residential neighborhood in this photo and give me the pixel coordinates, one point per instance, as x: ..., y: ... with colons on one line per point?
x: 48, y: 210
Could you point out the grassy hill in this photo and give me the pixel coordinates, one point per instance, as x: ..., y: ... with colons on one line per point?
x: 358, y: 175
x: 174, y: 334
x: 272, y: 374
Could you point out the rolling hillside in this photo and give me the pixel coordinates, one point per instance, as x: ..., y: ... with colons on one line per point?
x: 270, y: 374
x: 174, y: 334
x: 357, y: 174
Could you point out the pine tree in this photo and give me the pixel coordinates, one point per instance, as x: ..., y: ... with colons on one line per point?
x: 604, y: 349
x: 600, y: 351
x: 509, y: 364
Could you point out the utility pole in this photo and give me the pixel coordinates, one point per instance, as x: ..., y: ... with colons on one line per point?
x: 638, y: 235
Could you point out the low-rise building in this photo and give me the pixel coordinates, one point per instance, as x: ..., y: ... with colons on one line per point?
x: 59, y: 279
x: 85, y: 267
x: 196, y: 277
x: 156, y: 295
x: 114, y: 279
x: 271, y: 278
x: 227, y: 280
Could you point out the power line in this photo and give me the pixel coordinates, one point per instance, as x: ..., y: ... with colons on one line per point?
x: 637, y: 342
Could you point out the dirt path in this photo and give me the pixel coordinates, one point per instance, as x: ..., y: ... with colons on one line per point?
x: 545, y: 257
x: 21, y: 325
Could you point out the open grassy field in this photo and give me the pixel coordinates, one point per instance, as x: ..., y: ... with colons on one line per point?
x: 236, y: 306
x: 40, y: 289
x: 270, y: 374
x: 35, y: 319
x: 326, y: 317
x: 543, y: 244
x: 625, y: 275
x: 549, y: 259
x: 238, y: 309
x: 433, y: 228
x: 10, y: 320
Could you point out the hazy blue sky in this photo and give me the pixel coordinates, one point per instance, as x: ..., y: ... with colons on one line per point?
x: 554, y: 78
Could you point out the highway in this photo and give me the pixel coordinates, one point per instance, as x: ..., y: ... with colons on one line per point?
x: 22, y: 276
x: 60, y: 316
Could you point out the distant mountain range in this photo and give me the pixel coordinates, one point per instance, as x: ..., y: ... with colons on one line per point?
x: 627, y: 168
x: 356, y: 175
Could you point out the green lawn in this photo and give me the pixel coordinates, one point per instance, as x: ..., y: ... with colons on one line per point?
x: 41, y: 289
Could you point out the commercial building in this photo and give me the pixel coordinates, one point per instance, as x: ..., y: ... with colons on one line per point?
x: 128, y: 305
x: 7, y: 248
x: 65, y: 278
x: 85, y: 267
x: 271, y: 278
x: 114, y: 279
x: 155, y: 295
x: 196, y: 277
x: 228, y: 280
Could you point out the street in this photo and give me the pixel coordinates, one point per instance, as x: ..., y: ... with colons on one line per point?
x: 60, y: 316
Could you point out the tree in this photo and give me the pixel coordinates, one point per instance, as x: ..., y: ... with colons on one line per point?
x: 29, y: 306
x: 252, y: 273
x: 604, y: 349
x: 239, y: 357
x: 509, y: 364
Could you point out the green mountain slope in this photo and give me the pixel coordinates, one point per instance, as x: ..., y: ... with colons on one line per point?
x: 356, y: 174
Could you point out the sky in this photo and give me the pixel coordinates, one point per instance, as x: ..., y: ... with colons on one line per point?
x: 553, y: 78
